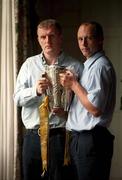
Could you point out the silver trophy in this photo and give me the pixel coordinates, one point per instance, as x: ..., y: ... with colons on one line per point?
x: 59, y: 97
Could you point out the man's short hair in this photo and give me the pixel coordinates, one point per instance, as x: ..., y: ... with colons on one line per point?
x: 97, y: 29
x: 50, y: 23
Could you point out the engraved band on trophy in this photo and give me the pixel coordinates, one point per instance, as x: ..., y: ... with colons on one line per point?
x: 59, y: 97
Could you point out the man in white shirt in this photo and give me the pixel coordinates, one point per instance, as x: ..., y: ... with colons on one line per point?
x: 29, y: 93
x: 91, y: 145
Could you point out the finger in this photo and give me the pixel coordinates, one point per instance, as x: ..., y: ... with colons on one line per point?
x: 61, y: 75
x: 43, y: 82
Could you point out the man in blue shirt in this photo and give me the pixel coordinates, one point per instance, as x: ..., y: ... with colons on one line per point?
x: 29, y: 93
x: 90, y: 114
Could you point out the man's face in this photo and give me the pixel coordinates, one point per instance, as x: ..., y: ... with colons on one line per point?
x: 88, y: 44
x: 50, y: 40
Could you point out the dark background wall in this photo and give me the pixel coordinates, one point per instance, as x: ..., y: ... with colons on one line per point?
x: 70, y: 14
x: 66, y: 12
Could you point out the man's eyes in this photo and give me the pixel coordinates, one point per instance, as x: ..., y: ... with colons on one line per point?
x: 50, y: 36
x: 88, y: 38
x: 42, y: 37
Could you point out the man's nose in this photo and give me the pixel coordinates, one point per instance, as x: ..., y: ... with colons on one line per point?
x: 47, y: 38
x: 84, y: 41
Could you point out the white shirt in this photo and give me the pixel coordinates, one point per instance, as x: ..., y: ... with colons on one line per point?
x: 98, y: 78
x: 25, y: 91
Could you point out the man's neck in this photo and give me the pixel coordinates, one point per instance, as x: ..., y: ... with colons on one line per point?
x: 51, y: 58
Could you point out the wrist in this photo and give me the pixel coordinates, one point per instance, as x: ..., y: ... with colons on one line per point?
x: 74, y: 85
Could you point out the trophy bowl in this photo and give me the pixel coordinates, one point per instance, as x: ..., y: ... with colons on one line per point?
x: 59, y: 97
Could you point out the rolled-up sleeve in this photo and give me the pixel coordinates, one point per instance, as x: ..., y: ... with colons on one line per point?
x: 98, y: 88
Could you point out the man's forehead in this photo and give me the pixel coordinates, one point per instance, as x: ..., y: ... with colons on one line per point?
x: 47, y: 29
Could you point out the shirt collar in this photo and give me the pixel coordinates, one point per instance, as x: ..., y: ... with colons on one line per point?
x: 92, y: 59
x: 59, y: 58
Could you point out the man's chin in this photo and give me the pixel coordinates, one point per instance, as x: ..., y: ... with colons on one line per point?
x: 85, y: 54
x: 48, y: 51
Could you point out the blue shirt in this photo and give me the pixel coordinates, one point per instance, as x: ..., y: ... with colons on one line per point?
x: 25, y: 91
x: 98, y: 78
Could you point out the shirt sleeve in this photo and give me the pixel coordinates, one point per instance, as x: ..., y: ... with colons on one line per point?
x: 99, y: 87
x: 24, y: 94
